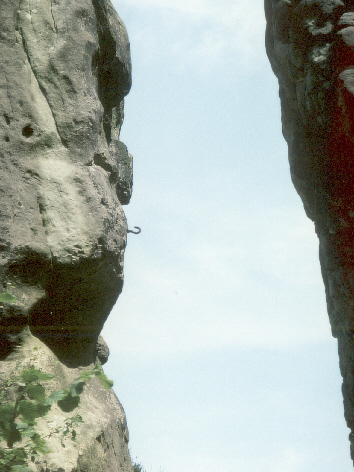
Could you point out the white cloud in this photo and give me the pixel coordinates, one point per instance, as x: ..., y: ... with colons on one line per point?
x: 197, y: 34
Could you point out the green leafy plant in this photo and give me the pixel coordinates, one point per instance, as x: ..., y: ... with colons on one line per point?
x: 138, y: 467
x: 68, y: 429
x: 7, y: 297
x: 23, y: 399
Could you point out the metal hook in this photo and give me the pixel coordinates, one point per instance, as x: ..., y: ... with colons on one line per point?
x: 134, y: 232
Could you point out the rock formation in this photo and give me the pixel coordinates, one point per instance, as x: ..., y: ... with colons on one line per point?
x: 310, y: 44
x: 64, y: 176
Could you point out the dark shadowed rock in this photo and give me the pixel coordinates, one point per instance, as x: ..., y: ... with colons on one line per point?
x: 310, y: 45
x: 102, y: 350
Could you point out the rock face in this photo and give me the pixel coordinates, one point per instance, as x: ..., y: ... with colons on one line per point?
x: 64, y: 176
x: 310, y: 44
x: 102, y: 436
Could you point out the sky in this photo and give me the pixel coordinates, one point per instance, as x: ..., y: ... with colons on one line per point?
x: 221, y: 349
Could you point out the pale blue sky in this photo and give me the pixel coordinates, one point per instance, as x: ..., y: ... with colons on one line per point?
x: 221, y: 350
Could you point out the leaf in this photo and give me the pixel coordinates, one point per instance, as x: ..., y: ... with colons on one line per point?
x: 19, y: 453
x: 20, y: 426
x: 43, y: 409
x: 28, y: 432
x: 6, y: 412
x: 7, y: 297
x: 42, y: 450
x: 40, y: 445
x: 87, y: 375
x: 69, y: 403
x: 35, y: 392
x: 97, y: 372
x: 76, y: 388
x: 20, y: 468
x: 43, y: 376
x: 30, y: 375
x: 106, y: 382
x: 13, y: 436
x: 28, y: 410
x: 6, y: 421
x: 77, y: 419
x: 55, y: 397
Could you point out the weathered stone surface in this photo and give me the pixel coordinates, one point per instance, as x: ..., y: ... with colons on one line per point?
x: 102, y: 350
x: 64, y: 71
x: 102, y: 437
x: 310, y: 44
x: 64, y: 175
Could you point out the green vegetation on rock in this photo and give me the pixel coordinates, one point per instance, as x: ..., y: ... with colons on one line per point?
x: 7, y: 297
x: 23, y: 399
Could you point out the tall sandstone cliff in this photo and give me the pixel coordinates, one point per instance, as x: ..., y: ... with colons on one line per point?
x: 64, y: 176
x: 310, y: 45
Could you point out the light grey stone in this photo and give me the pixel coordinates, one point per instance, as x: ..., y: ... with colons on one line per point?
x: 64, y: 174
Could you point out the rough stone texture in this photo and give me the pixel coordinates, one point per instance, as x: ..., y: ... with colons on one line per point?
x: 64, y: 71
x: 64, y: 176
x: 102, y: 350
x: 102, y: 438
x: 310, y: 44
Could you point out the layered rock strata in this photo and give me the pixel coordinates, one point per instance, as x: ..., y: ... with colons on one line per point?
x: 64, y: 175
x: 310, y: 45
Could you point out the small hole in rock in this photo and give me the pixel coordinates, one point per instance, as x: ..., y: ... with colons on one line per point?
x: 7, y: 119
x: 27, y: 131
x: 7, y: 139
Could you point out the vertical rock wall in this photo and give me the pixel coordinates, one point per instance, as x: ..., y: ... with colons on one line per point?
x: 64, y: 176
x: 64, y: 173
x: 310, y: 45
